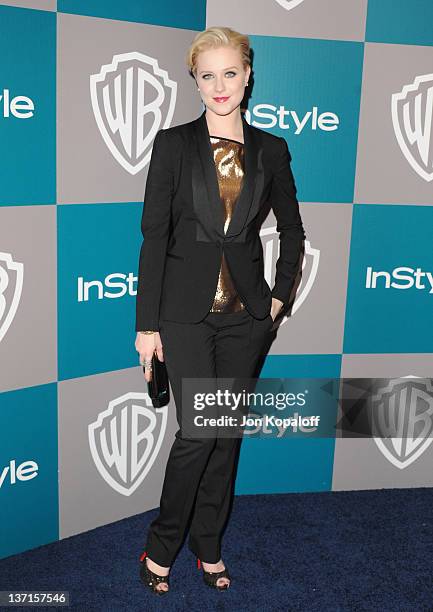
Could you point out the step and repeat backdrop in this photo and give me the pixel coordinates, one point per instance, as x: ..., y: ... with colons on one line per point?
x: 84, y: 87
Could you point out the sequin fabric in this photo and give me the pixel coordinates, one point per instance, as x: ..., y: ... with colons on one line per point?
x: 229, y: 163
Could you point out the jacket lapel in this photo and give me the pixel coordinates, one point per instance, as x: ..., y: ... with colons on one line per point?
x: 206, y: 197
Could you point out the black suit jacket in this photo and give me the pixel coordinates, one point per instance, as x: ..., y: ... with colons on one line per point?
x: 183, y: 226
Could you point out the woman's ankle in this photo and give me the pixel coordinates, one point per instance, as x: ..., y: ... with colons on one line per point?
x: 214, y: 565
x: 156, y: 568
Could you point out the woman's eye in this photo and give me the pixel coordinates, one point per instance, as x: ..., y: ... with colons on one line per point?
x: 229, y: 72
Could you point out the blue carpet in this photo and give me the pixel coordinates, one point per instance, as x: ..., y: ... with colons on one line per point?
x: 348, y: 551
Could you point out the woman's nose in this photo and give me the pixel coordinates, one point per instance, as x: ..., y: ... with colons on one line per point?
x: 219, y: 85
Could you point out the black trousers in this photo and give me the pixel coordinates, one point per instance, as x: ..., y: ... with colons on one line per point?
x: 200, y: 473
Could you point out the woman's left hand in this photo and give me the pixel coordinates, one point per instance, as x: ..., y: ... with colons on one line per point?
x: 276, y: 307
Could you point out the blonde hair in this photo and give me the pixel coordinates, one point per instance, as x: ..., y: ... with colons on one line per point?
x: 217, y: 37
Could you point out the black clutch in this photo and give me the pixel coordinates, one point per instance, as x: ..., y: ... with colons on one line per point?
x: 158, y: 388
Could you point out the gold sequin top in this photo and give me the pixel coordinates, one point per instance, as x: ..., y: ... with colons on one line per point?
x: 229, y: 162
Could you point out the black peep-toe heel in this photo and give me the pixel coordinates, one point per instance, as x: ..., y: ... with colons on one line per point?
x: 211, y: 578
x: 150, y: 579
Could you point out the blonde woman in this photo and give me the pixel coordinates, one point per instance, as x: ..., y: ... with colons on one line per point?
x: 203, y: 304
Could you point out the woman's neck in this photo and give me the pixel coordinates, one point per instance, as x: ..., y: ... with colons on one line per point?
x: 228, y: 126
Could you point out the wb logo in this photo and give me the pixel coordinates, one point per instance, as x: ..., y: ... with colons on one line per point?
x: 271, y: 252
x: 132, y: 98
x: 289, y: 4
x: 402, y: 420
x: 11, y: 286
x: 412, y: 111
x: 125, y: 440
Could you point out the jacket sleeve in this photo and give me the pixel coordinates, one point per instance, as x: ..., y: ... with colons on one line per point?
x: 289, y: 224
x: 155, y: 227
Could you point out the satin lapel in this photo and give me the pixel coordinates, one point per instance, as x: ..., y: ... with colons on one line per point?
x: 206, y: 196
x: 207, y: 203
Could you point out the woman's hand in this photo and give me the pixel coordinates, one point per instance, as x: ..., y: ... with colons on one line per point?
x: 276, y: 307
x: 146, y: 345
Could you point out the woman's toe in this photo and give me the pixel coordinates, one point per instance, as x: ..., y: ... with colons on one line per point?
x: 163, y: 586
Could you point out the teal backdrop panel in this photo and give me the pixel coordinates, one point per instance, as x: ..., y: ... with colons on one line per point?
x: 98, y: 249
x: 29, y: 507
x: 400, y: 21
x: 309, y: 91
x: 390, y: 284
x: 189, y: 14
x: 283, y: 465
x: 27, y: 106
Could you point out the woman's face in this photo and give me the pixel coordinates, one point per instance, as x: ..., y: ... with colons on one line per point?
x: 221, y: 78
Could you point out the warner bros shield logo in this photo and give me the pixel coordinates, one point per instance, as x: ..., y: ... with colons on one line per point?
x: 11, y: 286
x: 412, y: 111
x: 402, y: 420
x: 125, y: 440
x: 132, y: 98
x: 289, y: 4
x: 310, y: 265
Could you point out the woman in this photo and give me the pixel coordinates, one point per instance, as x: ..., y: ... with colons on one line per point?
x: 202, y: 301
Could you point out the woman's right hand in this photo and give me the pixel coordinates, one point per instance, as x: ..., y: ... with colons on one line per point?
x: 146, y: 345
